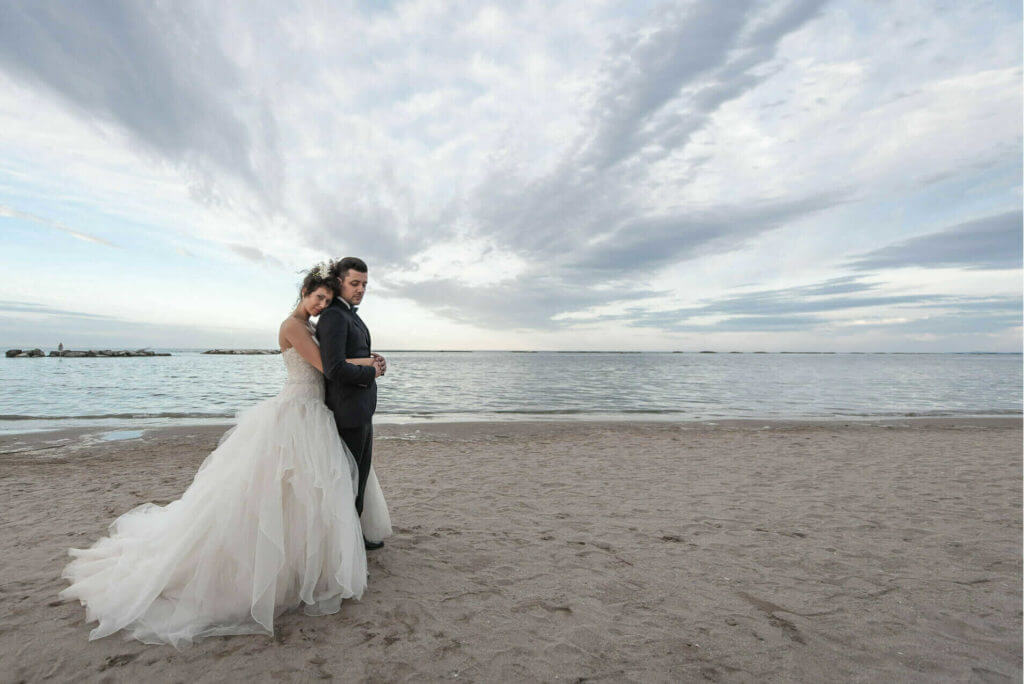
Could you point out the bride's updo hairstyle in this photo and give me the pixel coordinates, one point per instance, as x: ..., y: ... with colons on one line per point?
x: 320, y: 276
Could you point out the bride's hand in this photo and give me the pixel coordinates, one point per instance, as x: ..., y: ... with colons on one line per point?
x: 368, y: 361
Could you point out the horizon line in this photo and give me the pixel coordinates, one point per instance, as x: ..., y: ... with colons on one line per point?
x: 540, y: 351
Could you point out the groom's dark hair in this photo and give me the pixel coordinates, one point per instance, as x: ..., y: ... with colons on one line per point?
x: 343, y: 266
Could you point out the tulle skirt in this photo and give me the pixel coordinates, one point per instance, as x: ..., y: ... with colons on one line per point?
x: 267, y: 524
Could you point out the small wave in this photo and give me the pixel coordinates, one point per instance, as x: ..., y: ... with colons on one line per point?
x: 938, y: 413
x: 722, y: 412
x: 558, y: 411
x: 101, y: 416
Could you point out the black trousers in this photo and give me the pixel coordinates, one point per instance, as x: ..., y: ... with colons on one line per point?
x: 360, y: 442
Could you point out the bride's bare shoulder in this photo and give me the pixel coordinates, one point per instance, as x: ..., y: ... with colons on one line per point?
x: 290, y: 327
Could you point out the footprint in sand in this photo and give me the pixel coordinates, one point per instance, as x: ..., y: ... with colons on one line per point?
x: 118, y: 660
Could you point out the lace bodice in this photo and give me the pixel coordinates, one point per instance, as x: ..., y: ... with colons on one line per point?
x: 303, y: 379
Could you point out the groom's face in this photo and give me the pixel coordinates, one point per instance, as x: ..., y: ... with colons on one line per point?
x: 353, y: 286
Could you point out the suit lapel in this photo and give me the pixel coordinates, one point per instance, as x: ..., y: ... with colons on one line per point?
x: 362, y: 326
x: 356, y: 318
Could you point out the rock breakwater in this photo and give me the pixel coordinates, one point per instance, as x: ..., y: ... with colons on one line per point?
x: 77, y: 354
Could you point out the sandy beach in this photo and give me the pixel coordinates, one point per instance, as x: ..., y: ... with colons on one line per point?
x: 657, y: 552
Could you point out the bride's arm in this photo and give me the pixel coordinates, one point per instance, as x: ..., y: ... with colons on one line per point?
x: 300, y: 338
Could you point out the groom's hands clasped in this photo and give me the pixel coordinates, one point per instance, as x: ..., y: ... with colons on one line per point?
x: 379, y: 364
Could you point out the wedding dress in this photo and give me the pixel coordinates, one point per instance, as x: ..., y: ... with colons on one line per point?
x: 269, y: 522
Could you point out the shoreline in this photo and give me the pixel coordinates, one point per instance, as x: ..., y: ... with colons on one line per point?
x: 52, y: 439
x: 201, y: 350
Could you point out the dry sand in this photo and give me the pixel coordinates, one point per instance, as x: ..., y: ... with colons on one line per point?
x: 584, y: 551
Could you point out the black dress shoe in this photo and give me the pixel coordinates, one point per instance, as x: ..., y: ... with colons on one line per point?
x: 372, y: 545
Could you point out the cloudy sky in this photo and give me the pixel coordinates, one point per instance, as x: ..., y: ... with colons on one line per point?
x: 582, y: 175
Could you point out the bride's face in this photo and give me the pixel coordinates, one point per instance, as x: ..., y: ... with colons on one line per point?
x: 316, y: 301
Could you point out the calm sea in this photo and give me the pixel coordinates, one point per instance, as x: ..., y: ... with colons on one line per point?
x: 190, y: 387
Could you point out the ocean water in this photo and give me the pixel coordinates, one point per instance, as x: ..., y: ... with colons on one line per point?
x: 190, y: 387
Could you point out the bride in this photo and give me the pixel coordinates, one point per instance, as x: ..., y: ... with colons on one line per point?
x: 269, y: 521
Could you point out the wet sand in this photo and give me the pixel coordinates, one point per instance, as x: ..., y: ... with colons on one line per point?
x: 658, y: 552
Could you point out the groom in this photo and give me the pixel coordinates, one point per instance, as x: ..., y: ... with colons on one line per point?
x: 350, y: 389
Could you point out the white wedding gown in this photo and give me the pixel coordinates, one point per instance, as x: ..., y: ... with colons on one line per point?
x: 269, y: 522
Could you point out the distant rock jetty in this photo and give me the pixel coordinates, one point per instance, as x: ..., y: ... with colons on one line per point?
x: 256, y: 352
x: 72, y: 354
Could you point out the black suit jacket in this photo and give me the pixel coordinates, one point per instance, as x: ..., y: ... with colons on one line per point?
x: 350, y: 390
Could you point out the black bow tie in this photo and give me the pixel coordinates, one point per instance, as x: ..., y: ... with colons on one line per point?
x: 354, y: 308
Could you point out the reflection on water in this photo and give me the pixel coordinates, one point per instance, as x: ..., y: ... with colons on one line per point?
x: 191, y: 387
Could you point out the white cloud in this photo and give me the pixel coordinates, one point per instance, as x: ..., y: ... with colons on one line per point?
x: 85, y: 237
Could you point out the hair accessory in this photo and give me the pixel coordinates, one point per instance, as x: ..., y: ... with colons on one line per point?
x: 322, y: 270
